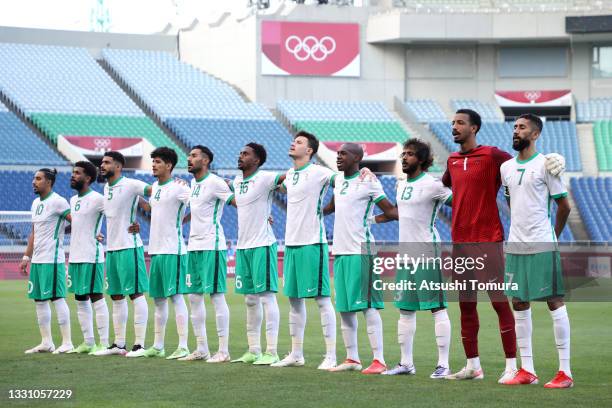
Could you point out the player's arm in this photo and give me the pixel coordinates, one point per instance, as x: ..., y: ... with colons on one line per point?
x: 144, y: 204
x: 280, y: 178
x: 446, y: 178
x: 389, y: 210
x: 187, y: 218
x: 330, y: 207
x: 563, y: 211
x: 148, y: 190
x: 27, y: 256
x: 382, y: 218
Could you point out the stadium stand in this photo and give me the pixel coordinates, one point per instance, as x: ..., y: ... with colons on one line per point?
x: 343, y: 120
x: 557, y: 136
x: 22, y: 146
x: 593, y: 196
x: 488, y: 111
x: 426, y: 110
x: 602, y: 135
x: 64, y: 91
x: 593, y: 110
x: 199, y: 108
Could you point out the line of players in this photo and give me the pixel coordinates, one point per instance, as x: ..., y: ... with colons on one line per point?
x: 470, y: 185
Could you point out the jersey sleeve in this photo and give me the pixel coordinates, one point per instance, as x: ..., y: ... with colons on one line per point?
x: 502, y: 172
x: 446, y: 177
x: 139, y: 187
x: 182, y: 193
x: 272, y: 180
x: 442, y: 193
x: 556, y: 187
x: 376, y: 191
x: 62, y: 207
x: 99, y: 203
x: 500, y: 156
x: 223, y: 192
x: 327, y: 175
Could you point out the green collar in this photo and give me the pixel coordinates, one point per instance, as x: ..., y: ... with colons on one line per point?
x: 115, y: 182
x: 251, y: 176
x: 48, y: 195
x: 85, y: 193
x: 203, y: 177
x: 303, y: 167
x: 412, y: 180
x: 528, y: 160
x: 351, y: 176
x: 165, y: 182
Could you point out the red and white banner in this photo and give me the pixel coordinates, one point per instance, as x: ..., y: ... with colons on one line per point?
x: 372, y: 151
x: 534, y: 98
x: 317, y: 49
x: 95, y: 146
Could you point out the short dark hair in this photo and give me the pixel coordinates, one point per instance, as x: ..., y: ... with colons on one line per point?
x: 422, y: 150
x: 116, y: 156
x: 50, y: 174
x: 166, y: 154
x: 313, y: 142
x: 89, y: 169
x: 474, y: 117
x: 260, y: 152
x: 205, y: 150
x: 534, y: 119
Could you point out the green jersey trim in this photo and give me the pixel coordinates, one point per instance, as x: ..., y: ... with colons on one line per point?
x: 179, y: 226
x: 85, y: 193
x: 352, y: 176
x: 412, y: 180
x: 526, y: 160
x: 115, y: 182
x: 203, y: 177
x: 251, y: 176
x: 557, y: 196
x: 165, y: 182
x: 379, y: 198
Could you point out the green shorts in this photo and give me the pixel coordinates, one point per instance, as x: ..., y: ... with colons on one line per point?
x: 85, y: 278
x: 537, y: 276
x: 126, y: 272
x: 206, y: 272
x: 257, y: 270
x: 421, y: 298
x: 306, y: 271
x: 353, y: 283
x: 47, y: 281
x: 168, y: 275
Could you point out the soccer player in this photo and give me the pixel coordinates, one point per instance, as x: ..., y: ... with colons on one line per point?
x: 168, y: 267
x: 207, y: 252
x: 125, y: 265
x: 86, y: 260
x: 474, y: 177
x: 306, y: 265
x: 256, y: 256
x: 533, y: 261
x: 48, y: 270
x: 419, y: 199
x: 353, y: 202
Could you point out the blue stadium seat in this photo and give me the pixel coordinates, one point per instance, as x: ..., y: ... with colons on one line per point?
x: 593, y: 196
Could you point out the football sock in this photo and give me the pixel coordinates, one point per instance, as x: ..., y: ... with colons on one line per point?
x: 222, y: 318
x: 469, y: 328
x: 442, y: 329
x: 348, y: 324
x: 523, y: 324
x: 506, y: 327
x: 254, y: 318
x: 406, y: 327
x: 473, y: 363
x: 328, y: 324
x: 198, y: 320
x: 63, y: 319
x: 101, y: 310
x: 141, y: 316
x: 161, y: 318
x: 181, y: 316
x: 375, y: 333
x: 561, y: 327
x: 297, y: 324
x: 85, y: 316
x: 120, y: 317
x: 43, y: 313
x: 270, y: 306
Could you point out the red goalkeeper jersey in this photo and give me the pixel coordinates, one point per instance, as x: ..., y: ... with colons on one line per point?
x: 475, y: 179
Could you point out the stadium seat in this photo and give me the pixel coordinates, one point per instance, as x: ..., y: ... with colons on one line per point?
x: 426, y: 110
x: 488, y: 111
x: 602, y: 135
x: 593, y: 196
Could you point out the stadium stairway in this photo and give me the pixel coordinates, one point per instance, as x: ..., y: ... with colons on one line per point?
x: 586, y: 141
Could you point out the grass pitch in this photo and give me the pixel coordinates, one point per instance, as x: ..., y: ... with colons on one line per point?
x: 117, y: 381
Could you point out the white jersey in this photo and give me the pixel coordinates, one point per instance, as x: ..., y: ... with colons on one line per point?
x: 120, y: 204
x: 49, y: 220
x: 531, y: 189
x: 168, y: 201
x: 208, y: 197
x: 87, y: 211
x: 306, y: 188
x: 254, y: 201
x: 354, y: 202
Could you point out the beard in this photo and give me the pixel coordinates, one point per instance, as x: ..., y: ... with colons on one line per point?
x: 520, y: 144
x: 77, y: 185
x: 108, y: 174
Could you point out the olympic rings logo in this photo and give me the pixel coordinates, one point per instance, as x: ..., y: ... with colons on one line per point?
x: 310, y: 47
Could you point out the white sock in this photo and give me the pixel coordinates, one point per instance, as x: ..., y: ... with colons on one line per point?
x: 349, y: 325
x: 198, y: 321
x: 254, y: 317
x: 85, y: 315
x: 561, y: 327
x: 101, y: 310
x: 63, y: 319
x: 270, y: 307
x: 523, y: 328
x: 182, y: 320
x: 442, y: 329
x: 297, y: 325
x: 406, y: 328
x: 473, y: 363
x: 43, y: 313
x: 120, y: 318
x: 328, y: 324
x: 141, y: 317
x: 375, y: 333
x: 222, y: 318
x: 161, y: 318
